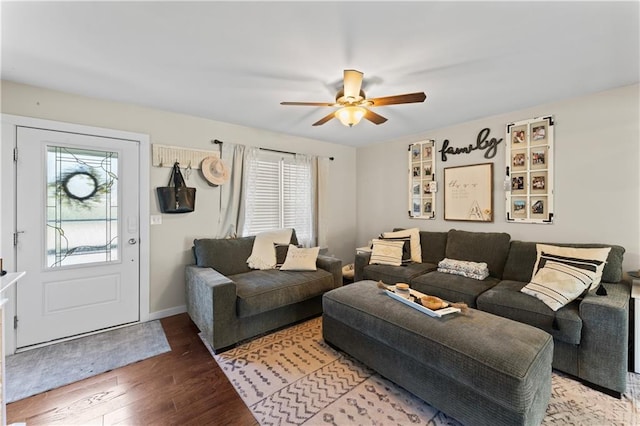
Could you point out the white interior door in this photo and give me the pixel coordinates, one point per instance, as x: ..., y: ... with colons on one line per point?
x: 77, y: 227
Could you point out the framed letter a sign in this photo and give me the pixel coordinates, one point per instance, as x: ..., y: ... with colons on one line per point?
x: 468, y: 193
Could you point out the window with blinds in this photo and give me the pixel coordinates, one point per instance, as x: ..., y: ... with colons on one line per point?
x: 281, y: 196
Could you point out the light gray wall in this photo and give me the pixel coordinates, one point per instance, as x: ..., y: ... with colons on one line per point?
x: 171, y: 242
x: 597, y: 184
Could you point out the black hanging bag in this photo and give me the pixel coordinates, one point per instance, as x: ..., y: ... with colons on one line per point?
x: 177, y: 198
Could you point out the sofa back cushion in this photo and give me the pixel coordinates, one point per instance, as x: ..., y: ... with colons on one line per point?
x: 489, y: 247
x: 522, y: 257
x: 227, y: 255
x: 434, y: 246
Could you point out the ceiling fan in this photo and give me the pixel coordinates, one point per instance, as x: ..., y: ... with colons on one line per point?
x: 353, y: 103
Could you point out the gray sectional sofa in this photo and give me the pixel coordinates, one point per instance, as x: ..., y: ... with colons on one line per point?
x: 590, y: 334
x: 229, y: 302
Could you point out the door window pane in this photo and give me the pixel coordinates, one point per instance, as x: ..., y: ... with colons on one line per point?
x: 82, y: 206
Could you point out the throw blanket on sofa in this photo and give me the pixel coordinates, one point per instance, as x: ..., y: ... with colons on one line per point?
x: 263, y: 254
x: 475, y: 270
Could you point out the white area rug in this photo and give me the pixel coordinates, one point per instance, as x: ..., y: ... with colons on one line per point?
x: 292, y: 377
x: 42, y: 369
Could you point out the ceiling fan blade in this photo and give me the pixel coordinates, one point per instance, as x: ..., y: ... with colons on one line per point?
x: 324, y: 119
x: 374, y: 118
x: 308, y: 103
x: 352, y: 83
x: 408, y: 98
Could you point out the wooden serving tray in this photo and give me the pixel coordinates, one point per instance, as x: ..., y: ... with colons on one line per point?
x: 415, y: 305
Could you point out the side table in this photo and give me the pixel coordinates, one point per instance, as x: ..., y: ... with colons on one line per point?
x: 635, y: 295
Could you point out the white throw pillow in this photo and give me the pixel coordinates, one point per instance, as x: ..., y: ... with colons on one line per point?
x: 300, y: 259
x: 414, y: 234
x: 263, y: 253
x: 386, y: 252
x: 599, y: 254
x: 561, y: 280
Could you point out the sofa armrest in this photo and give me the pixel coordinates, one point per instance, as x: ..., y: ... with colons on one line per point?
x: 603, y: 355
x: 211, y: 304
x: 332, y: 265
x: 362, y: 260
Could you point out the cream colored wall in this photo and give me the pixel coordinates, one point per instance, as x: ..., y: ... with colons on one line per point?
x: 597, y: 183
x: 171, y: 241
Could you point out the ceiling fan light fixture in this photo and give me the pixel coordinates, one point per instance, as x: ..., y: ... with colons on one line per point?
x: 350, y: 115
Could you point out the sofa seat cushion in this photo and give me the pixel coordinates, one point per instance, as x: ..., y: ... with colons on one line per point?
x: 453, y: 288
x: 506, y: 300
x: 260, y: 291
x: 397, y: 274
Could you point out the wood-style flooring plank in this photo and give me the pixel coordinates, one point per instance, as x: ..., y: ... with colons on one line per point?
x: 184, y: 386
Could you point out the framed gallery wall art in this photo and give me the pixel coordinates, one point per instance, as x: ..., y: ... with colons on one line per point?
x: 468, y: 193
x: 529, y: 169
x: 422, y: 185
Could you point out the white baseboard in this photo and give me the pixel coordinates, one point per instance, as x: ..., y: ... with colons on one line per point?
x: 167, y: 312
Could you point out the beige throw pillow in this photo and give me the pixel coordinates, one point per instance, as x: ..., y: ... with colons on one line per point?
x: 300, y: 259
x: 560, y: 280
x: 599, y: 254
x: 414, y: 234
x: 263, y: 254
x: 386, y: 252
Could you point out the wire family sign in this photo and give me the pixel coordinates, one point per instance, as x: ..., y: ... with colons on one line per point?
x: 483, y: 143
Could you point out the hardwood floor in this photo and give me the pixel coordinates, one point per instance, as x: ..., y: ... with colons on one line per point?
x: 184, y: 386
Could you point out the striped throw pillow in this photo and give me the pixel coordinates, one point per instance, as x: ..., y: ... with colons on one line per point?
x: 600, y: 254
x: 406, y: 248
x: 414, y: 234
x: 560, y: 280
x: 386, y: 252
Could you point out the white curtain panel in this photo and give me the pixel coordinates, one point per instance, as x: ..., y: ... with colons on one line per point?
x: 300, y: 197
x: 249, y: 187
x: 231, y: 193
x: 322, y: 201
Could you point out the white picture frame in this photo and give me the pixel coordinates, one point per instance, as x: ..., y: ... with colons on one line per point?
x: 422, y: 185
x: 529, y: 194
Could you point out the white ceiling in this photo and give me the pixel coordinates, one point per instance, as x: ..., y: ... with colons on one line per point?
x: 236, y: 61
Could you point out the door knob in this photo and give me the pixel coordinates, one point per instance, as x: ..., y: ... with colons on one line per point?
x: 132, y: 241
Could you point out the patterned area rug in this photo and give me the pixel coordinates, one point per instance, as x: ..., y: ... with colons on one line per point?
x: 292, y: 377
x: 38, y: 370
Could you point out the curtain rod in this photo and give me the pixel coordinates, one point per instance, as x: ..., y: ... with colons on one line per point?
x: 219, y: 142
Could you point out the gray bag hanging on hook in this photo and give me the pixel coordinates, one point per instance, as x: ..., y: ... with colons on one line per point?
x: 177, y: 198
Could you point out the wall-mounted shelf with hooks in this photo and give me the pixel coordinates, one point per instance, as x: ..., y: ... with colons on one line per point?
x: 165, y: 156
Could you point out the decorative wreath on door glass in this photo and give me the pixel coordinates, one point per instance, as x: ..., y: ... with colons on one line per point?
x: 82, y: 186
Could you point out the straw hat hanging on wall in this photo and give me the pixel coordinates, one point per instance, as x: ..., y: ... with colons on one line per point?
x: 214, y: 170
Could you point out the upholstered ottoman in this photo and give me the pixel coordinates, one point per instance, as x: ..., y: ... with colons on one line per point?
x: 479, y: 368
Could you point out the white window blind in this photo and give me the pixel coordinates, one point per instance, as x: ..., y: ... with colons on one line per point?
x: 280, y: 195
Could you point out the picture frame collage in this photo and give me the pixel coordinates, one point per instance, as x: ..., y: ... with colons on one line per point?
x: 529, y: 156
x: 422, y: 185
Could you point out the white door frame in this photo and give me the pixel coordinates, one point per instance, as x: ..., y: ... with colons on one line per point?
x: 8, y: 205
